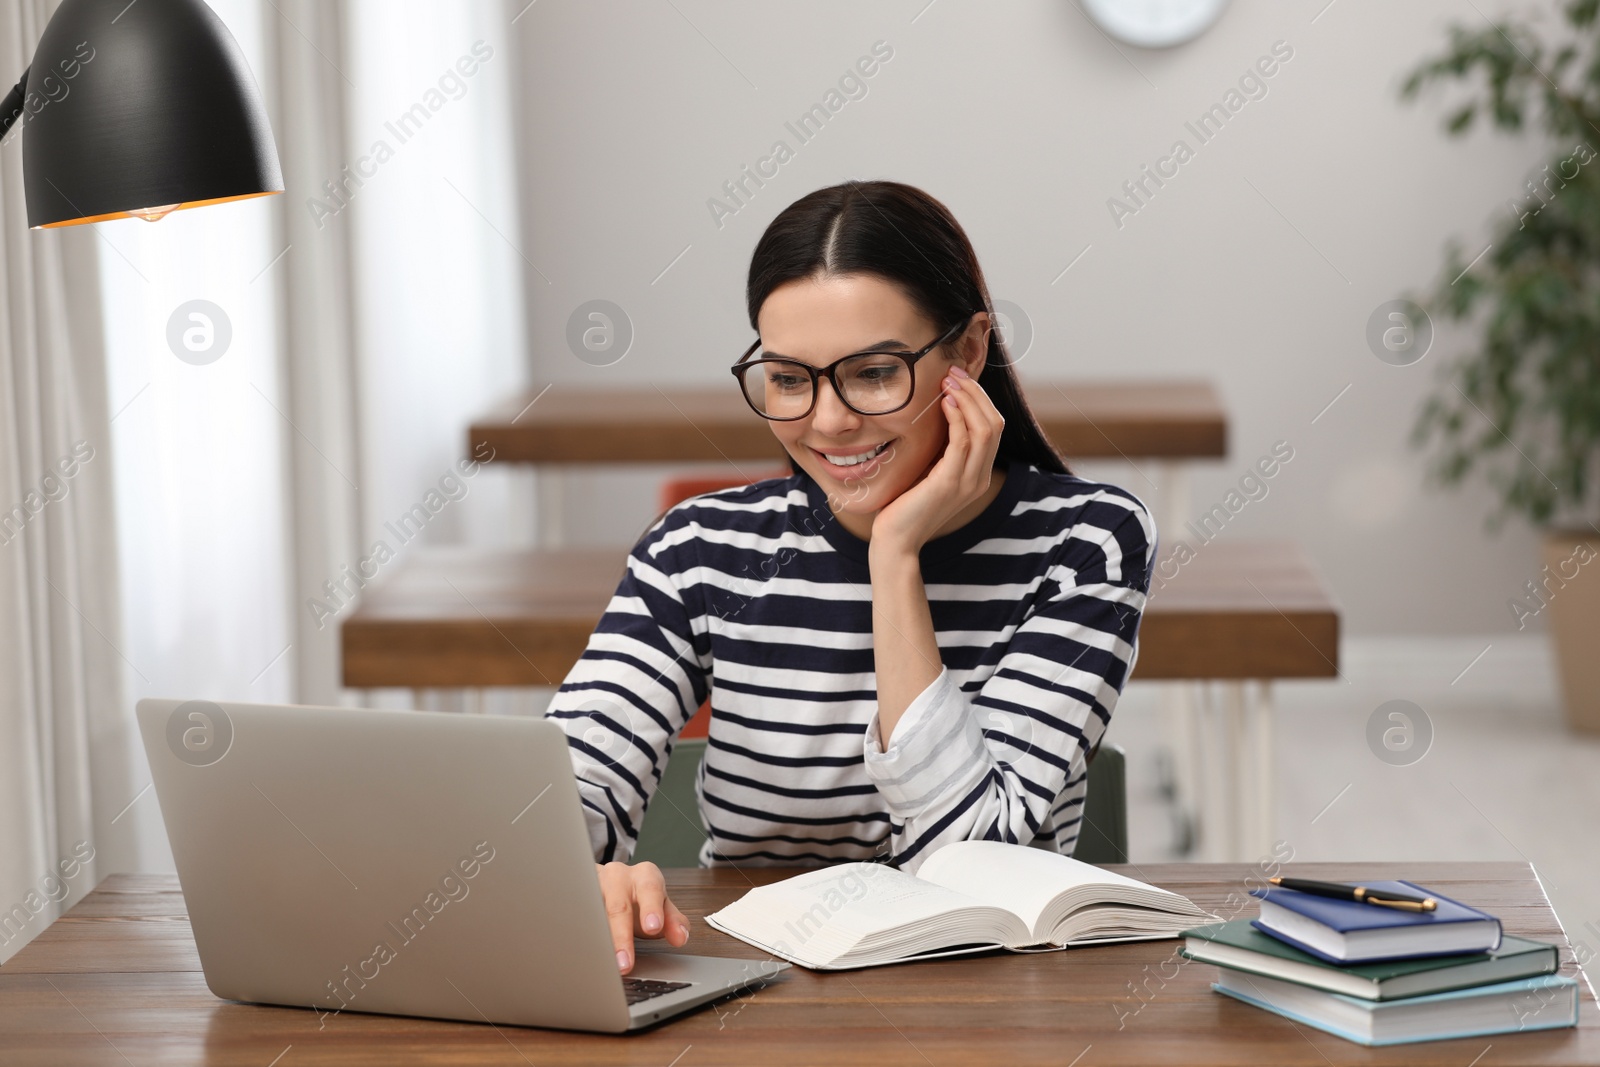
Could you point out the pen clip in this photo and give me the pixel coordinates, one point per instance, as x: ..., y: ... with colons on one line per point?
x: 1402, y: 905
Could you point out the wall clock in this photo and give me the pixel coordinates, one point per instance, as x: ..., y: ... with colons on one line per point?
x: 1154, y: 23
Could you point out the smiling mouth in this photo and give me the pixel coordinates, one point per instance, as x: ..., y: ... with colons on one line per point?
x: 854, y: 462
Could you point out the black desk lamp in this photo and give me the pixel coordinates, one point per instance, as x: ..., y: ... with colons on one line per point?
x: 138, y: 110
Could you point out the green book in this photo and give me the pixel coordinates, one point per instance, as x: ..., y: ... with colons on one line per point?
x: 1239, y: 946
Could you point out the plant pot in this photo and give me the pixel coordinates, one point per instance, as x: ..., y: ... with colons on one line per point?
x: 1569, y: 585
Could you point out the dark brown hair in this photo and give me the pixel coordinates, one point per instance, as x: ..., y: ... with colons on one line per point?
x: 901, y: 234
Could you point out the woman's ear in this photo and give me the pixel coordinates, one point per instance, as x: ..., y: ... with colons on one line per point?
x: 973, y: 344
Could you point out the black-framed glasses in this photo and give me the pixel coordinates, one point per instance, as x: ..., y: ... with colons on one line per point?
x: 868, y: 383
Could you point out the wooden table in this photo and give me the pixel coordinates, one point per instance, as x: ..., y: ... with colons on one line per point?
x: 560, y: 425
x: 578, y: 424
x: 117, y: 982
x: 462, y: 617
x: 1239, y: 610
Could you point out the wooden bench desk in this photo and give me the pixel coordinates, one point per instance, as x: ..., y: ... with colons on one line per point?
x: 583, y: 424
x: 466, y: 617
x: 1239, y: 610
x: 116, y: 982
x: 1171, y: 422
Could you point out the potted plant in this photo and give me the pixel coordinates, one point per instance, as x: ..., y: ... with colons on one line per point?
x: 1523, y: 408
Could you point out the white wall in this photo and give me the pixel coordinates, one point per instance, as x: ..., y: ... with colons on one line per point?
x: 1256, y: 266
x: 437, y: 319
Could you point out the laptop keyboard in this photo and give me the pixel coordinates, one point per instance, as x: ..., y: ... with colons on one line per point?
x: 639, y: 989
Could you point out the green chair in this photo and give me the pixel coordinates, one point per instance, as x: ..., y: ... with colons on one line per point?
x: 1103, y: 835
x: 672, y: 835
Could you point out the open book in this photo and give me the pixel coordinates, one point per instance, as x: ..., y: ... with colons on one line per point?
x: 968, y: 896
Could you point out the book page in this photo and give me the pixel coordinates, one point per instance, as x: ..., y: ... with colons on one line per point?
x: 1025, y: 880
x: 823, y: 914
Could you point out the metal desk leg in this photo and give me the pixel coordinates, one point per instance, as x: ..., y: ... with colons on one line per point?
x: 1172, y: 509
x: 1179, y: 719
x: 1236, y: 811
x: 1266, y: 770
x: 1222, y: 741
x: 551, y: 514
x: 1210, y: 783
x: 1185, y: 722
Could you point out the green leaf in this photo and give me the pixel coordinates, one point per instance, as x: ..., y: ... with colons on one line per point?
x: 1518, y: 408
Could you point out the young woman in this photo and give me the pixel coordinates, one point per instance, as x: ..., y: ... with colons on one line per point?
x: 917, y: 637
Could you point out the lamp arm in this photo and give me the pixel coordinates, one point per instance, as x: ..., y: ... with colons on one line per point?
x: 11, y: 106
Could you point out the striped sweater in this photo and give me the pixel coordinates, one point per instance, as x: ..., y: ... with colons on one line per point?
x: 758, y: 598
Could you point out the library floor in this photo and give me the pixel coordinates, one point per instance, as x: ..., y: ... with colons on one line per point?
x: 1502, y: 779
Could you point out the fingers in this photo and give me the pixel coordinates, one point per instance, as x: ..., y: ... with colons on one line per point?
x: 616, y: 884
x: 967, y: 426
x: 980, y: 428
x: 650, y: 893
x: 637, y: 905
x: 677, y: 926
x: 960, y: 438
x: 948, y: 467
x: 988, y: 414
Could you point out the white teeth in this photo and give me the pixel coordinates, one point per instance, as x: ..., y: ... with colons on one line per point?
x: 852, y: 461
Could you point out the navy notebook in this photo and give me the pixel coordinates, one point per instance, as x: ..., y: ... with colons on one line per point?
x: 1347, y: 931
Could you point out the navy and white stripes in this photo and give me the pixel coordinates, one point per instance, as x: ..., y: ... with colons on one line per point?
x: 758, y: 598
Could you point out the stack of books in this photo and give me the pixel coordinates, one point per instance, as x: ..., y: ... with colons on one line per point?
x: 1379, y: 975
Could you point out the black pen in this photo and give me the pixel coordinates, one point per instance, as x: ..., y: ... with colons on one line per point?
x: 1359, y: 893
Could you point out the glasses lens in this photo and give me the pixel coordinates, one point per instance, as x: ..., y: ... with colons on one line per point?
x: 876, y: 383
x: 779, y: 389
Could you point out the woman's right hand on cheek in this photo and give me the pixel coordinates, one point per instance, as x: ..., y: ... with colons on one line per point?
x: 637, y: 906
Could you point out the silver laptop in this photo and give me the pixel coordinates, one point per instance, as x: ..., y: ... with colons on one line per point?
x: 408, y: 863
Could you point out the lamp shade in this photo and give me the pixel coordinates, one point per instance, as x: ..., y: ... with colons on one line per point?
x: 136, y: 110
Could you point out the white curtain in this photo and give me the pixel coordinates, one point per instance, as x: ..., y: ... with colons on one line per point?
x: 66, y: 731
x: 202, y: 450
x: 361, y: 346
x: 402, y: 315
x: 436, y: 233
x: 318, y: 358
x: 438, y: 290
x: 240, y: 477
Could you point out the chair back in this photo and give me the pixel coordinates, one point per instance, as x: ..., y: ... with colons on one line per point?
x: 672, y: 832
